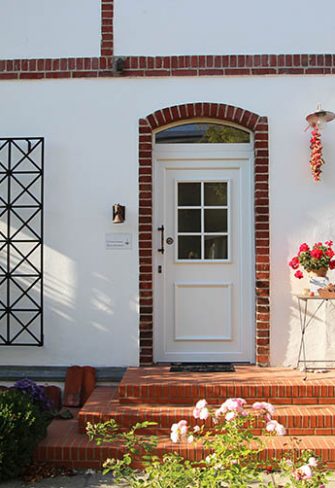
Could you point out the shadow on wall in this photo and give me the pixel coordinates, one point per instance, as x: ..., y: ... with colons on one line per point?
x: 78, y: 304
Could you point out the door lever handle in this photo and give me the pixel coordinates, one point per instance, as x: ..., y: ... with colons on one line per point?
x: 161, y: 230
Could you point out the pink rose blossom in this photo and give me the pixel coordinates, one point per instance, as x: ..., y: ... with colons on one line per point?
x: 274, y: 426
x: 231, y: 405
x: 230, y: 415
x: 303, y: 473
x: 174, y: 437
x: 313, y: 462
x: 298, y: 274
x: 280, y: 430
x: 201, y: 404
x: 200, y: 410
x: 268, y: 407
x: 329, y: 243
x: 179, y: 431
x: 271, y: 426
x: 204, y: 414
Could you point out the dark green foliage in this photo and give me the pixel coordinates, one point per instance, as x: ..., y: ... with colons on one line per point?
x: 22, y: 426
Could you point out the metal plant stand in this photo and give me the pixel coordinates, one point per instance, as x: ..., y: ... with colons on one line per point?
x: 305, y: 322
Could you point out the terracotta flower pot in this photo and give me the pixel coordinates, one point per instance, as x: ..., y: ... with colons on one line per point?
x: 321, y: 272
x: 318, y: 279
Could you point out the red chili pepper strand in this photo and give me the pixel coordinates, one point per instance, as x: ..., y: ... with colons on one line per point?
x: 316, y: 160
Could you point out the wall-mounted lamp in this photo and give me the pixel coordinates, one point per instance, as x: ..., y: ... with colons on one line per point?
x: 119, y: 213
x: 320, y: 117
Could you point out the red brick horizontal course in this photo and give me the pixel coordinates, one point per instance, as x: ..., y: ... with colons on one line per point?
x: 167, y: 66
x: 259, y: 126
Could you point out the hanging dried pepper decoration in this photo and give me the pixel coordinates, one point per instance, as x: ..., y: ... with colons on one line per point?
x: 316, y: 160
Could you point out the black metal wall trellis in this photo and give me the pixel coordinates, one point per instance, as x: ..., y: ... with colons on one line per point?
x: 21, y: 241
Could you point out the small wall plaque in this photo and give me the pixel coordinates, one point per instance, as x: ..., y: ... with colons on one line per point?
x: 115, y: 240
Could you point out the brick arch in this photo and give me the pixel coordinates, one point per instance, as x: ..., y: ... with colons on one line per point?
x: 259, y: 126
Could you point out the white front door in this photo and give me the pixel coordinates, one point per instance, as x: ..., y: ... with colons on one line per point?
x: 203, y: 253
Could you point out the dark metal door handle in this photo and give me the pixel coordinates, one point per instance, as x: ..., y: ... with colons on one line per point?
x: 161, y: 230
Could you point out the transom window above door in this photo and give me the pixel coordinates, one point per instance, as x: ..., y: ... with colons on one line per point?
x: 203, y: 133
x: 203, y: 220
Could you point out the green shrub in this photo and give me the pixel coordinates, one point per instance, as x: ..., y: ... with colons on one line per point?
x: 22, y: 426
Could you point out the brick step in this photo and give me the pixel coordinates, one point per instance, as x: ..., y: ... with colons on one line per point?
x: 298, y: 420
x: 306, y: 408
x: 65, y: 446
x: 278, y: 386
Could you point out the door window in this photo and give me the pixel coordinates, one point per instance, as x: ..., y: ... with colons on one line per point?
x: 202, y: 133
x: 203, y: 220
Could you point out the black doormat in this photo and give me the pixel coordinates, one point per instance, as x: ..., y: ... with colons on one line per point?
x: 202, y: 367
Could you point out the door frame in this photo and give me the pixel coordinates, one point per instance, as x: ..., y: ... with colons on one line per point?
x: 206, y: 157
x: 258, y: 125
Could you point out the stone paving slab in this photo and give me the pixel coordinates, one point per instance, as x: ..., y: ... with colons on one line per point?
x: 84, y: 480
x: 80, y: 480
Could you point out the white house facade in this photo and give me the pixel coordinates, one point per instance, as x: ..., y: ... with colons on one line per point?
x: 115, y: 92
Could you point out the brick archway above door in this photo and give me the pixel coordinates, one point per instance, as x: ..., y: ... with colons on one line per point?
x: 217, y: 112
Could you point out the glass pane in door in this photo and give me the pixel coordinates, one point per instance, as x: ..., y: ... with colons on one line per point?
x: 215, y: 194
x: 189, y: 247
x: 216, y: 220
x: 189, y: 194
x: 216, y: 247
x: 189, y: 220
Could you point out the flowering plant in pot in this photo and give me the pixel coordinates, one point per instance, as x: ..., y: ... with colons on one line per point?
x: 316, y: 260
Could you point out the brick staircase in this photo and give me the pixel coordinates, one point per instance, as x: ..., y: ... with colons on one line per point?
x: 306, y: 408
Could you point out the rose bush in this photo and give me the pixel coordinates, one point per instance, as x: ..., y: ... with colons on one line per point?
x: 230, y: 451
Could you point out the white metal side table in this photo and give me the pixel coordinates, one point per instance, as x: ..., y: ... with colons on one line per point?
x: 305, y: 322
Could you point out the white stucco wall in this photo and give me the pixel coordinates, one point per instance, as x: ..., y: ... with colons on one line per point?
x: 167, y: 27
x: 49, y: 29
x: 91, y: 162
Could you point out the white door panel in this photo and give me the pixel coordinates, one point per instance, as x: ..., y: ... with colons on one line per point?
x: 203, y: 296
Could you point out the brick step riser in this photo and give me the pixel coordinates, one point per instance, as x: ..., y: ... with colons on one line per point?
x: 295, y: 424
x: 84, y: 457
x: 311, y: 400
x: 291, y: 431
x: 190, y: 394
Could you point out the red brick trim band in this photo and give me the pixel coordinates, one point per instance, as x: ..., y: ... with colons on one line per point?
x: 259, y: 126
x: 33, y: 69
x: 138, y: 66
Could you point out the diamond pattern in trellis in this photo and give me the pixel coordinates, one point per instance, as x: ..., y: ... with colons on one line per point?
x: 21, y: 243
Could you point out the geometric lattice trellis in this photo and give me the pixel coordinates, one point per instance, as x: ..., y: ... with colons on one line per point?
x: 21, y: 241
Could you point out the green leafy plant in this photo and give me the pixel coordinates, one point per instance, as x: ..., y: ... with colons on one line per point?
x: 299, y: 469
x: 22, y: 425
x: 135, y: 446
x: 230, y: 452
